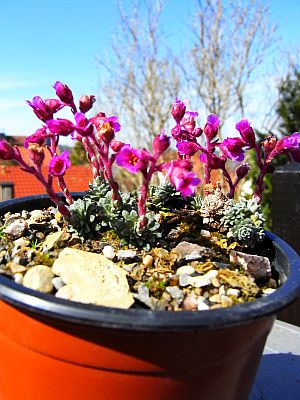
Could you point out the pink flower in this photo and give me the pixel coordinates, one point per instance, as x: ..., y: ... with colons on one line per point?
x: 187, y: 148
x: 212, y: 126
x: 160, y: 143
x: 132, y: 159
x: 60, y: 126
x: 233, y: 148
x: 37, y: 137
x: 178, y: 110
x: 289, y: 144
x: 188, y: 121
x: 184, y: 180
x: 40, y: 108
x: 7, y: 152
x: 86, y: 103
x: 59, y: 164
x: 64, y: 93
x: 246, y: 132
x: 83, y: 126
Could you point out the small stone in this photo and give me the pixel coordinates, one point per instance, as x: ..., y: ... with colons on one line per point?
x: 16, y: 229
x: 148, y: 260
x: 215, y: 282
x: 222, y: 290
x: 126, y: 255
x: 39, y: 278
x: 22, y: 260
x: 226, y: 301
x: 269, y: 291
x: 211, y: 274
x: 257, y: 266
x: 18, y: 277
x: 233, y: 292
x: 40, y: 235
x: 201, y: 305
x: 184, y: 280
x: 186, y: 249
x: 109, y: 252
x: 15, y: 267
x: 216, y: 298
x: 143, y: 295
x: 54, y: 239
x: 57, y: 282
x: 37, y: 216
x: 199, y: 281
x: 137, y: 273
x: 204, y: 233
x: 190, y: 303
x: 185, y: 270
x: 175, y: 293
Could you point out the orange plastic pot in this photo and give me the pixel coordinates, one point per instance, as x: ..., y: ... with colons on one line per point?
x: 56, y: 349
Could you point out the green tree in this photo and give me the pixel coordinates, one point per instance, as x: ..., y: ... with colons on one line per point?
x: 78, y: 155
x: 288, y: 108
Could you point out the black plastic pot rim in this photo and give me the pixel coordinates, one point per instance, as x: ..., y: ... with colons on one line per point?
x: 49, y: 306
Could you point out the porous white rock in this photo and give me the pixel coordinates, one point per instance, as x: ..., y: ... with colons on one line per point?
x: 92, y: 278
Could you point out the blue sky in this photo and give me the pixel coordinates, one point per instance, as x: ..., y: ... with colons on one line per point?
x: 42, y: 42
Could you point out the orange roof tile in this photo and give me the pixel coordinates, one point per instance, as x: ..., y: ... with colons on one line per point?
x: 25, y: 184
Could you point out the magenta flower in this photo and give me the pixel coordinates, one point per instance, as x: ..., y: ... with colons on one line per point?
x: 40, y: 108
x: 54, y: 104
x: 37, y: 137
x: 188, y: 121
x: 233, y: 148
x: 132, y: 159
x: 291, y: 142
x: 178, y: 110
x: 59, y: 164
x: 60, y: 126
x: 160, y: 143
x: 113, y: 122
x: 176, y: 132
x: 83, y: 126
x: 64, y: 93
x: 246, y: 132
x: 212, y: 126
x: 86, y: 103
x: 7, y: 152
x: 185, y: 182
x: 187, y: 148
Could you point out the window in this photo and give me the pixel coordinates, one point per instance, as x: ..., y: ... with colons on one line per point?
x: 6, y: 190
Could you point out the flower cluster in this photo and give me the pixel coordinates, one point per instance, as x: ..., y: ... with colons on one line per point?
x: 104, y: 149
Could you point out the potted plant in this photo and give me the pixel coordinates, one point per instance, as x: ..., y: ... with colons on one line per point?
x: 182, y: 289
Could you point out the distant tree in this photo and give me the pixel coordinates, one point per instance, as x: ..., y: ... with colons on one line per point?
x: 231, y: 40
x: 288, y: 108
x: 78, y: 154
x: 141, y: 78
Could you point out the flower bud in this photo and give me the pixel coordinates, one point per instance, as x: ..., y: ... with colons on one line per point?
x: 86, y: 103
x: 246, y: 132
x: 60, y: 126
x: 178, y: 110
x: 40, y: 108
x: 198, y: 132
x: 7, y: 152
x: 116, y: 145
x: 211, y: 127
x: 160, y: 143
x: 176, y: 132
x: 242, y: 170
x: 54, y: 105
x: 36, y: 154
x: 64, y: 93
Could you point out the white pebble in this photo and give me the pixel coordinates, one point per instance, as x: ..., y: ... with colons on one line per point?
x: 18, y: 278
x: 185, y: 270
x: 233, y: 292
x: 201, y: 305
x: 109, y: 252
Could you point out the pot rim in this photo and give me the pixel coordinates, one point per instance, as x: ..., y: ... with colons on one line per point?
x: 47, y: 305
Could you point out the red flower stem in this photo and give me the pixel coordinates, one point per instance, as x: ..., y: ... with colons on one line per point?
x: 92, y: 156
x: 230, y: 183
x: 207, y: 168
x: 66, y: 192
x: 142, y: 209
